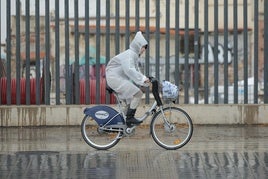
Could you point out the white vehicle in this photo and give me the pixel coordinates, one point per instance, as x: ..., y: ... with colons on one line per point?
x: 231, y: 92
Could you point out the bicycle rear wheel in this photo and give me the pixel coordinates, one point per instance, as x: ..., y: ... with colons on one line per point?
x: 171, y: 129
x: 98, y: 137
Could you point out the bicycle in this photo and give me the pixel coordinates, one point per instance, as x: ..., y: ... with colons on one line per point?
x: 103, y: 127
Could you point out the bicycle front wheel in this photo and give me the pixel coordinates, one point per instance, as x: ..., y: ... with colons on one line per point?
x: 98, y: 137
x: 172, y: 128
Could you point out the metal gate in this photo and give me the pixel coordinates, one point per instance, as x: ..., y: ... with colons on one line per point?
x: 55, y: 52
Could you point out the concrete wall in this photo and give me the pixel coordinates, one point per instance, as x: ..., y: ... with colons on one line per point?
x: 73, y: 115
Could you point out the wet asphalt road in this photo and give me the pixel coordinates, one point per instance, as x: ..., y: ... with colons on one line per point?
x: 60, y: 152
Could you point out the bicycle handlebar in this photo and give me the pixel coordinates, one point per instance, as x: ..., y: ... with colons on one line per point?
x: 151, y: 78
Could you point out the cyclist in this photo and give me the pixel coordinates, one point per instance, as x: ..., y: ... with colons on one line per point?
x: 124, y: 77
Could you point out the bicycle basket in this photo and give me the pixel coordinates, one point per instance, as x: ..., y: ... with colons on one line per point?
x: 169, y: 91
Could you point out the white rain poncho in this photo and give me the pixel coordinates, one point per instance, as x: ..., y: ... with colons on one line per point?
x: 122, y: 70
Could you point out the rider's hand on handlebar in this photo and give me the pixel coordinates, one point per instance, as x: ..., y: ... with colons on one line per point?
x: 147, y: 80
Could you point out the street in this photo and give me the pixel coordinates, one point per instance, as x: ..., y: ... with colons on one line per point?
x: 215, y: 151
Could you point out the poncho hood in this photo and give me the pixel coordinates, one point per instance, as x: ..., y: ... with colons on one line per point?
x: 138, y: 42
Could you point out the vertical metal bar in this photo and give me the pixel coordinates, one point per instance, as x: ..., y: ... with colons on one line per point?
x: 0, y: 52
x: 57, y: 52
x: 235, y: 38
x: 177, y: 44
x: 147, y: 36
x: 206, y: 82
x: 68, y: 87
x: 157, y: 39
x: 37, y: 53
x: 47, y: 60
x: 127, y: 25
x: 137, y: 15
x: 87, y: 55
x: 76, y: 51
x: 18, y: 59
x: 108, y: 39
x: 226, y: 15
x: 216, y: 68
x: 167, y: 60
x: 245, y: 32
x: 117, y: 27
x: 265, y: 52
x: 98, y: 18
x: 27, y: 50
x: 8, y: 52
x: 186, y: 54
x: 256, y: 48
x: 196, y: 52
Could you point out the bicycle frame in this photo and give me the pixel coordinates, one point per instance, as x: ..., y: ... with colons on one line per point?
x: 151, y: 111
x: 157, y: 102
x: 142, y: 118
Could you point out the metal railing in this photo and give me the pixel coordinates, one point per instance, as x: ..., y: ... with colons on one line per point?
x: 56, y: 53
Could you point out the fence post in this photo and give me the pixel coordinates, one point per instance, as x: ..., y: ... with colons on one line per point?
x: 256, y: 47
x: 245, y: 33
x: 18, y: 52
x: 265, y: 52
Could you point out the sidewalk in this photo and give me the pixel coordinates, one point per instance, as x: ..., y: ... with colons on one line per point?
x: 60, y: 152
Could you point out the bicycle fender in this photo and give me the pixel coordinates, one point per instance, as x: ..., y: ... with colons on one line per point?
x: 104, y: 115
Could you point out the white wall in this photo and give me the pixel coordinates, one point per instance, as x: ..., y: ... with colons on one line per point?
x: 73, y: 114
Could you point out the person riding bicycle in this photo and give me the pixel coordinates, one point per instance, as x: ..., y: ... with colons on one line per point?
x: 124, y: 77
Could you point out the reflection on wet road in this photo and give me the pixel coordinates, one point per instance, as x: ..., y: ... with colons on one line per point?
x: 213, y: 152
x: 104, y: 164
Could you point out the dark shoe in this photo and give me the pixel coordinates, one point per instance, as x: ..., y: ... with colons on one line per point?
x: 133, y: 120
x: 130, y: 117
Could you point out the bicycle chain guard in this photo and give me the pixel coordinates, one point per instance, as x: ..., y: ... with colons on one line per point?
x: 104, y: 115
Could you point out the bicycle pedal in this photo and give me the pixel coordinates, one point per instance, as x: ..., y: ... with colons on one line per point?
x: 130, y: 130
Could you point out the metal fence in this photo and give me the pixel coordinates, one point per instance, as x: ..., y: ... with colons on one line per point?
x: 54, y: 52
